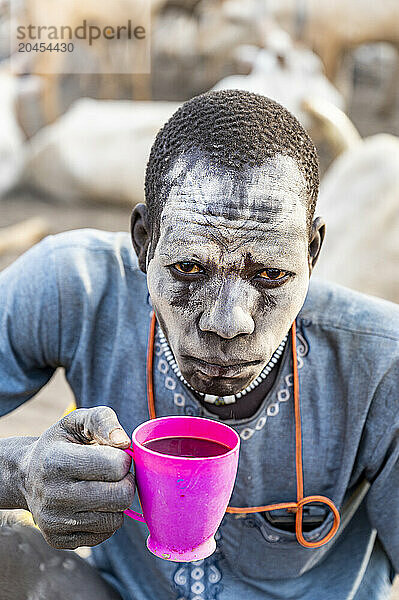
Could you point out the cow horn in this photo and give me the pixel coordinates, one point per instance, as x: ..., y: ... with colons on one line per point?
x: 335, y: 125
x: 20, y: 237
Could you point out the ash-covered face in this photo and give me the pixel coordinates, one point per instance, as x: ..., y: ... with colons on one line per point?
x: 230, y: 270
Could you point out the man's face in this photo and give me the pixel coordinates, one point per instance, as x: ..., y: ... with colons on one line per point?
x: 230, y: 271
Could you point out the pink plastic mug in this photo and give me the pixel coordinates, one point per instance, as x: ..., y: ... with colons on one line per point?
x: 183, y: 499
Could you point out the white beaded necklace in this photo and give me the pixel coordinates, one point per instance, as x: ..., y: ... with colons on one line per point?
x: 221, y: 400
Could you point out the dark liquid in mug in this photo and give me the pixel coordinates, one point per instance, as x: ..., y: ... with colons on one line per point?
x: 187, y: 447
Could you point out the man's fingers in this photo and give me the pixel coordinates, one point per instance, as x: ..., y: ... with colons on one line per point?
x: 90, y: 522
x: 109, y: 497
x: 89, y: 496
x: 73, y: 541
x: 85, y: 463
x: 99, y: 424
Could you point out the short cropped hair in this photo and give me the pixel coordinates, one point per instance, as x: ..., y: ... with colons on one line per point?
x: 235, y: 129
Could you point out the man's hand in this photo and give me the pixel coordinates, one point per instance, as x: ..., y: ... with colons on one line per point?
x: 76, y: 479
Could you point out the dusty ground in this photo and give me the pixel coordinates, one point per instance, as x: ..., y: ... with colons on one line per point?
x: 47, y: 406
x: 50, y: 403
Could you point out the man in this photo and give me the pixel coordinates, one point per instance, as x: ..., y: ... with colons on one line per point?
x: 225, y: 248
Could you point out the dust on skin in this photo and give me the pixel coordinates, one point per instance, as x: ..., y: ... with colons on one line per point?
x: 230, y: 270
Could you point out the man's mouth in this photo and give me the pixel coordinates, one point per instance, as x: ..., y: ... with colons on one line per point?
x: 216, y: 369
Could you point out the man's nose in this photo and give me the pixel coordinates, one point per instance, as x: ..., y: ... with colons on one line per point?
x: 228, y: 315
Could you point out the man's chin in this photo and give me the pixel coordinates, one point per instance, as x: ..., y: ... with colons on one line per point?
x: 218, y: 386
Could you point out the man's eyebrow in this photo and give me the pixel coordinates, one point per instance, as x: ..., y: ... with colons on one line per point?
x: 254, y: 257
x: 173, y: 254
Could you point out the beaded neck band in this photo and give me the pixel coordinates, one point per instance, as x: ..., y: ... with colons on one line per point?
x: 221, y: 400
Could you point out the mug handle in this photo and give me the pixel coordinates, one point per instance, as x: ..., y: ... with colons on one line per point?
x: 132, y: 513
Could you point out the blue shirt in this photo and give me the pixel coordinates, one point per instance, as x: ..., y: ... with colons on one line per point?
x: 79, y: 300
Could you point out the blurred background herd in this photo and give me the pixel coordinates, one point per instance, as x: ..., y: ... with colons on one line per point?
x: 73, y: 148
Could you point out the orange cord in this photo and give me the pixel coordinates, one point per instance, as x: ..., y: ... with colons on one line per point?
x: 298, y: 427
x: 297, y: 506
x: 150, y: 360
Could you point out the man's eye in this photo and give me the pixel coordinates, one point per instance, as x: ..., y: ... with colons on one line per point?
x: 188, y: 268
x: 273, y: 274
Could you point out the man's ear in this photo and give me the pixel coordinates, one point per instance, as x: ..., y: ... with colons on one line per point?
x: 317, y: 233
x: 141, y: 235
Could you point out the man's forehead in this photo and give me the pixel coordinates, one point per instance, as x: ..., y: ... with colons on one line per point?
x: 273, y: 194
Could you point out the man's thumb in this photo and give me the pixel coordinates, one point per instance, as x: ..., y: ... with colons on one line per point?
x: 99, y: 424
